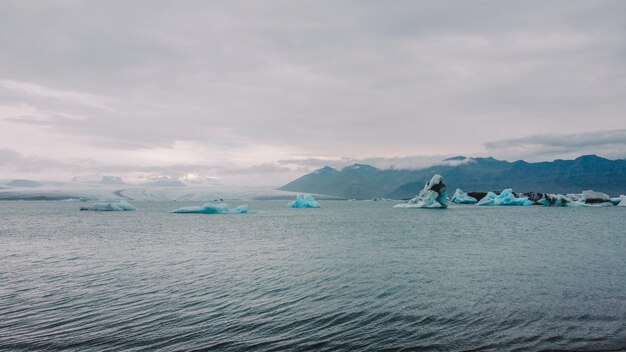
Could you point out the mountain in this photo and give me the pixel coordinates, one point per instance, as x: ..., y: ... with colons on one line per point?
x: 361, y: 181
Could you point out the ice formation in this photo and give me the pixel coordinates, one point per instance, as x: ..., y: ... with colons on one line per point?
x: 120, y: 206
x: 487, y: 199
x: 556, y: 200
x: 212, y: 208
x: 594, y: 198
x: 304, y: 201
x: 507, y: 197
x: 461, y: 197
x: 622, y: 202
x: 433, y: 195
x: 586, y: 199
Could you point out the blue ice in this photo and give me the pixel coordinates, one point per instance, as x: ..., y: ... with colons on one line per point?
x: 211, y: 208
x: 304, y: 201
x: 505, y: 198
x: 433, y: 195
x: 120, y: 206
x: 460, y: 197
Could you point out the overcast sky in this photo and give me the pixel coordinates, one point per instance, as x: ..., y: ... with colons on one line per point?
x: 259, y: 92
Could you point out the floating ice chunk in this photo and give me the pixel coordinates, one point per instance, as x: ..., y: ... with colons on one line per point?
x: 212, y: 208
x: 506, y: 197
x: 461, y: 197
x: 593, y: 198
x: 617, y: 200
x: 622, y: 202
x: 433, y: 195
x: 555, y: 200
x: 304, y: 201
x: 487, y: 200
x: 120, y: 206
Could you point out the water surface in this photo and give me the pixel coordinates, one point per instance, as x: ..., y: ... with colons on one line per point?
x: 348, y: 276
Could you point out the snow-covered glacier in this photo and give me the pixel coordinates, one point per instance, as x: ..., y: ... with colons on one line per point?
x: 119, y: 206
x: 212, y: 208
x: 433, y: 195
x: 460, y: 197
x: 304, y: 201
x: 505, y: 198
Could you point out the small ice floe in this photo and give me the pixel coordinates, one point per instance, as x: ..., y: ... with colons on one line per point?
x: 433, y: 195
x: 595, y: 199
x: 555, y: 200
x: 505, y: 198
x: 120, y: 206
x: 460, y: 197
x: 211, y: 208
x: 304, y: 201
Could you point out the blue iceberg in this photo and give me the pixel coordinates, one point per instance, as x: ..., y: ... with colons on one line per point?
x: 556, y: 200
x: 433, y: 195
x: 304, y: 201
x: 211, y: 208
x: 460, y: 197
x: 120, y: 206
x: 488, y: 199
x: 506, y: 198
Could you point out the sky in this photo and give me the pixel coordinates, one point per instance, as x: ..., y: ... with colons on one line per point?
x: 261, y: 92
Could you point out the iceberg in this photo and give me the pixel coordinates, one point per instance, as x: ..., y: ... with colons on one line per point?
x: 556, y: 200
x: 505, y: 198
x: 212, y: 208
x: 586, y: 199
x: 593, y: 198
x: 433, y: 195
x: 487, y: 200
x: 120, y: 206
x: 304, y: 201
x: 460, y: 197
x: 622, y: 202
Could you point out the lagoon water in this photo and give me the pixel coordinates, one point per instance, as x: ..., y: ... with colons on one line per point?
x: 348, y: 276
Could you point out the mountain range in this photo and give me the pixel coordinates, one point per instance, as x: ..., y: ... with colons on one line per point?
x: 362, y: 181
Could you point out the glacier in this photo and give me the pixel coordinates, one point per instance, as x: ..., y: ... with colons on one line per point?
x: 122, y: 205
x: 212, y: 208
x: 304, y: 201
x: 505, y: 198
x: 460, y: 197
x: 433, y: 195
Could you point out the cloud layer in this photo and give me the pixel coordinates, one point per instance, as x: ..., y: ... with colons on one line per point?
x: 239, y: 86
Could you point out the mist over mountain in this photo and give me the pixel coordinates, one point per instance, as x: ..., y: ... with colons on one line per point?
x: 362, y: 181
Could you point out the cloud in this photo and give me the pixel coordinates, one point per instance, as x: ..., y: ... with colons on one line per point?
x: 611, y: 144
x: 405, y: 162
x: 250, y: 83
x: 31, y: 89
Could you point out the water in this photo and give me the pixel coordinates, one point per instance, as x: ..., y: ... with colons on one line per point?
x: 348, y: 276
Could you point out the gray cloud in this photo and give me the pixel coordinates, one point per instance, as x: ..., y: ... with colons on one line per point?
x: 405, y: 162
x: 252, y: 83
x: 610, y: 144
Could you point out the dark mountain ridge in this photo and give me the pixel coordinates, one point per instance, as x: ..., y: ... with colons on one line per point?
x: 362, y: 181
